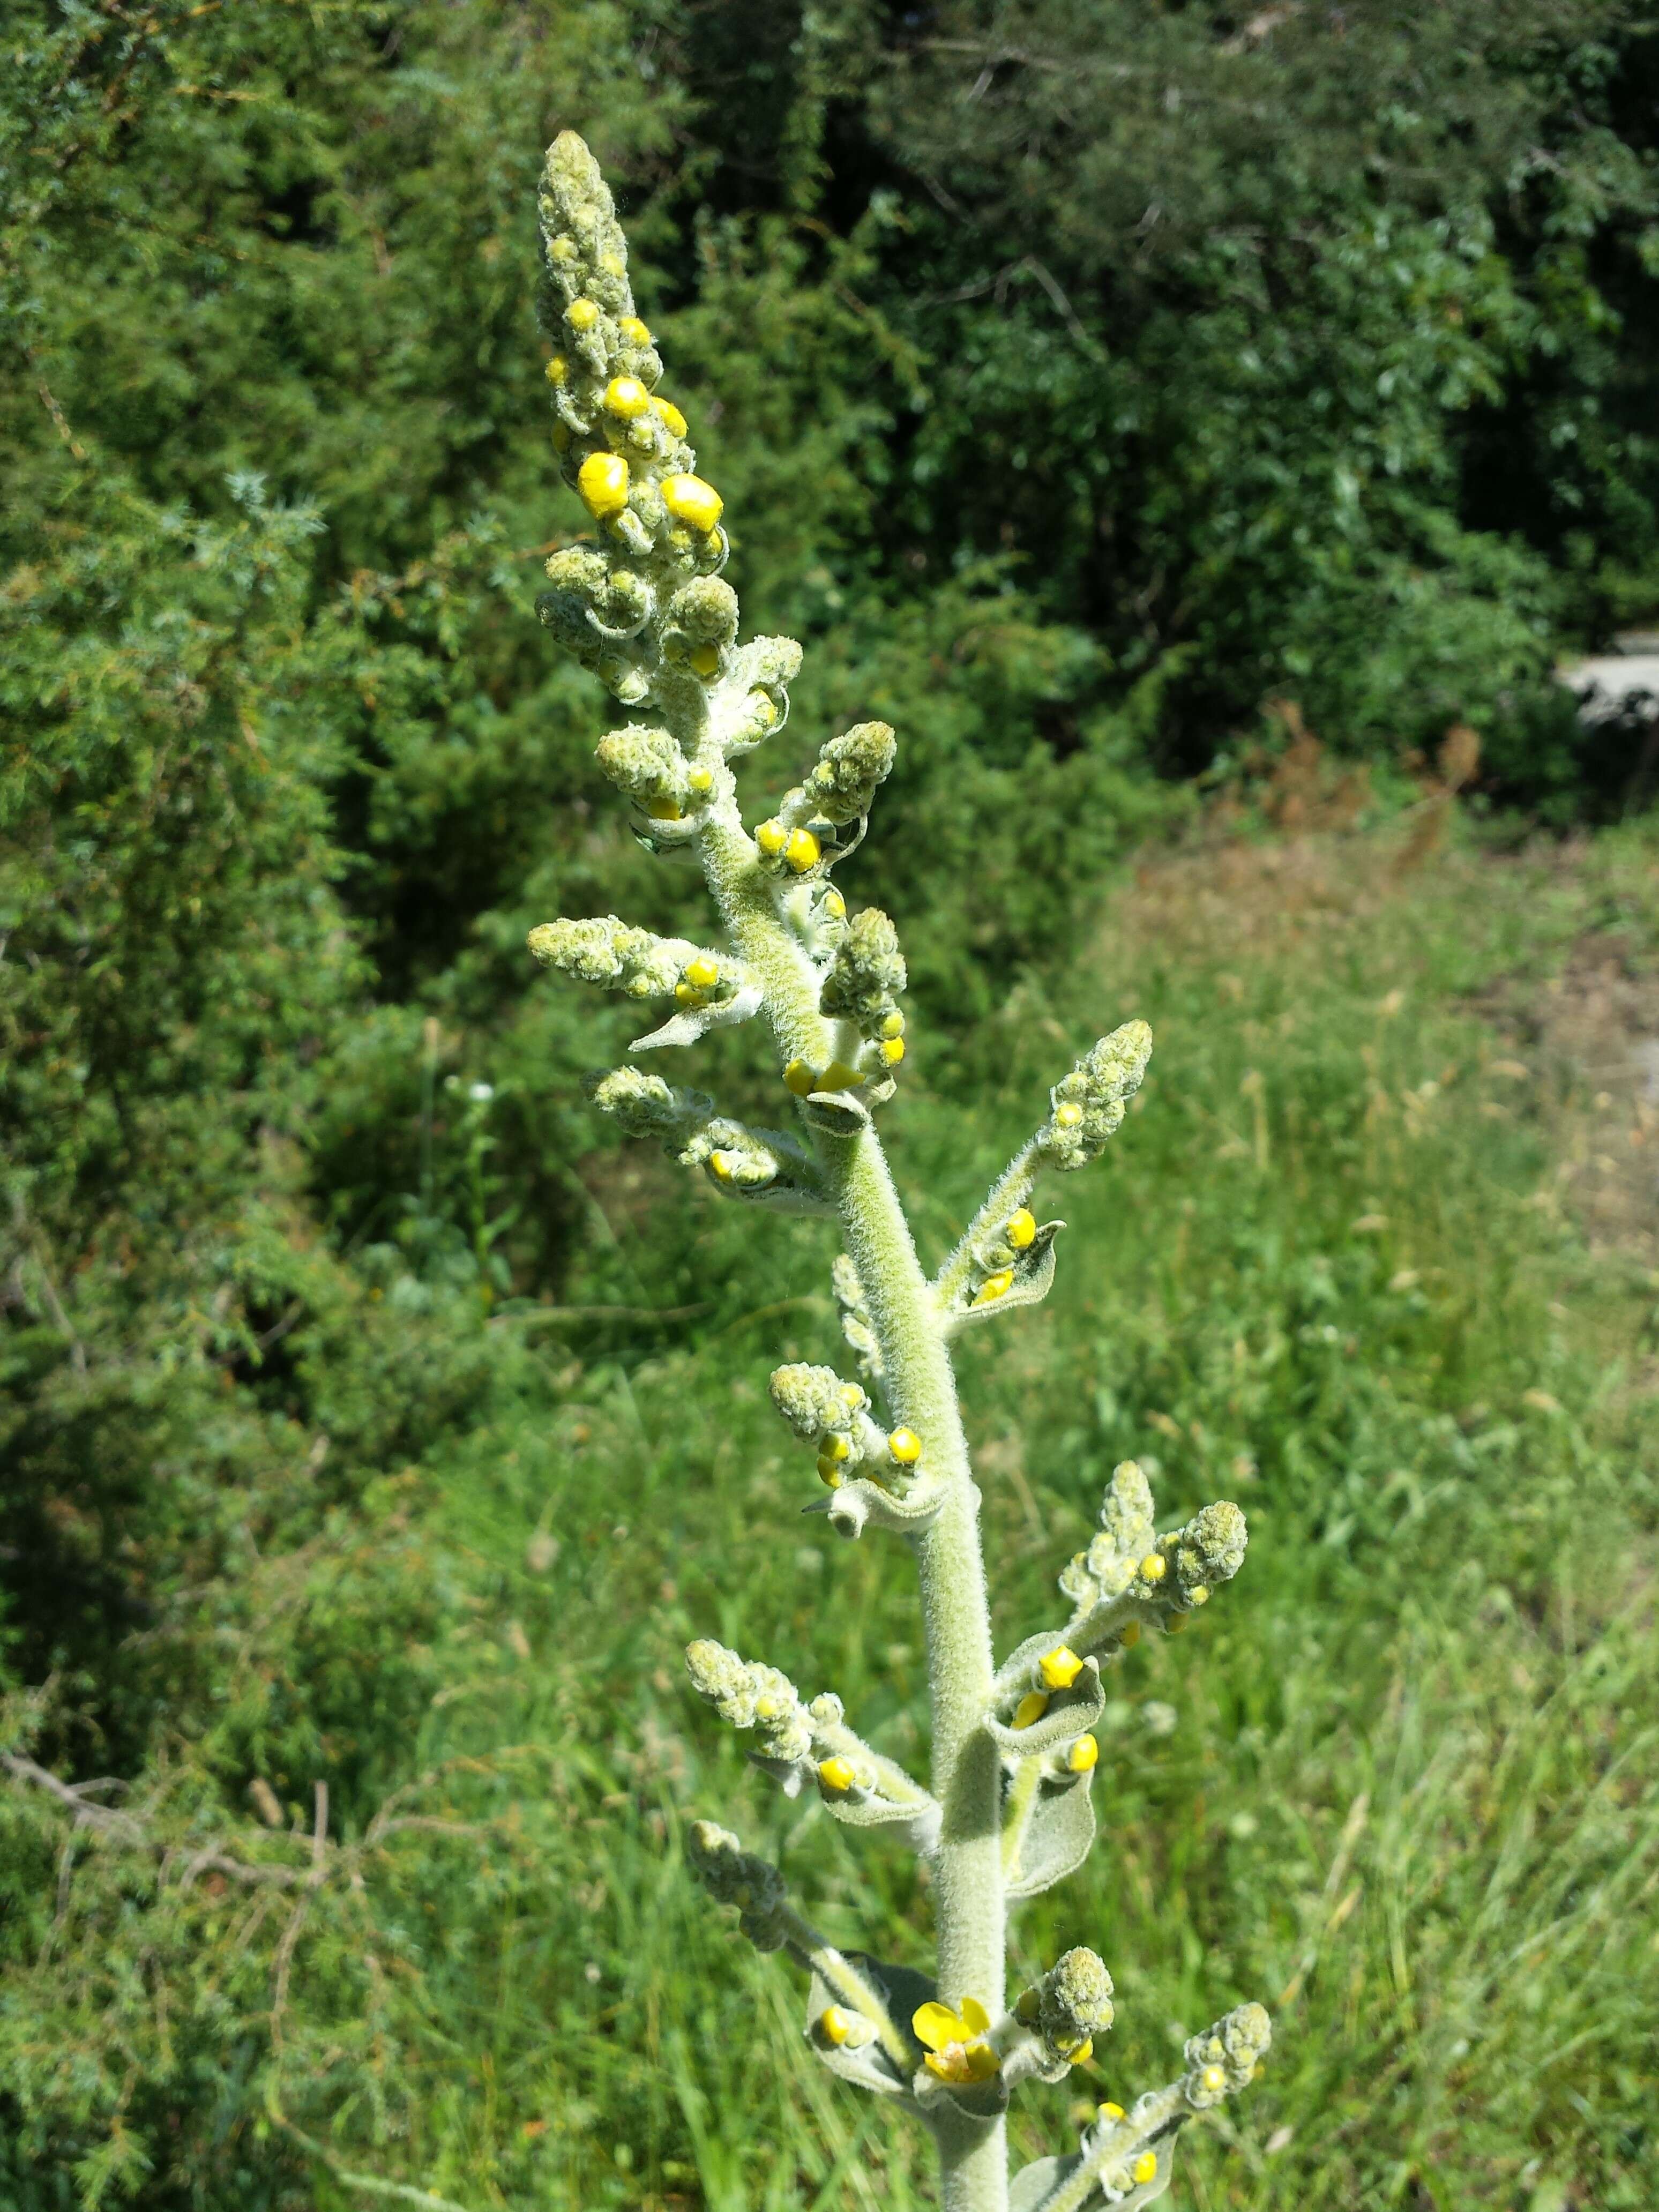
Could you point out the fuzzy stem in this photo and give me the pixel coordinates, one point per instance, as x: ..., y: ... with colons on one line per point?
x: 922, y: 1391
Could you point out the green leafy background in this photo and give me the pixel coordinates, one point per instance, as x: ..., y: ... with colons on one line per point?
x: 1109, y: 394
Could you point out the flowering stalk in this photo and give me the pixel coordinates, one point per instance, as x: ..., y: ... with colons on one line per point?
x: 1008, y: 1810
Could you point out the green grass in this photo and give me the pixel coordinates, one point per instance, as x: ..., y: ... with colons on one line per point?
x: 1411, y: 1797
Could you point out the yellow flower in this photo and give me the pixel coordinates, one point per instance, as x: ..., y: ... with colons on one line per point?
x: 557, y: 369
x: 836, y: 1447
x: 800, y: 1079
x: 1067, y: 1116
x: 602, y: 480
x: 802, y: 851
x: 701, y: 782
x: 957, y: 2050
x: 772, y: 837
x: 668, y: 415
x: 1020, y: 1229
x: 892, y: 1050
x: 1083, y: 1755
x: 1145, y: 2167
x: 1083, y: 2054
x: 834, y: 904
x: 994, y: 1286
x: 1153, y: 1567
x: 839, y: 1077
x: 627, y: 397
x: 691, y: 500
x: 633, y: 331
x: 834, y: 2026
x: 1213, y: 2079
x: 837, y: 1774
x: 1109, y: 2111
x: 581, y: 315
x: 702, y: 971
x: 720, y: 1166
x: 892, y: 1025
x: 905, y: 1447
x: 1060, y: 1667
x: 1032, y: 1707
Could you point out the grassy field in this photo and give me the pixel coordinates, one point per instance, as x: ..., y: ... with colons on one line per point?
x: 1374, y: 1255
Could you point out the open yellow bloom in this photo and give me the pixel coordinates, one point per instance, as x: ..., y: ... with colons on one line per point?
x: 957, y: 2050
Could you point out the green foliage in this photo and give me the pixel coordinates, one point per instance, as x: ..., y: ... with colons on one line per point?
x: 328, y: 1380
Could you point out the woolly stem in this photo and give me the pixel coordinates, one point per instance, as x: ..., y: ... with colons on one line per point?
x: 922, y: 1391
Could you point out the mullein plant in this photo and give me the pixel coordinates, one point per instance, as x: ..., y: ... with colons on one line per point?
x: 1008, y: 1809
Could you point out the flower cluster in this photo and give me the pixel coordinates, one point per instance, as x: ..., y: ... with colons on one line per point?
x: 642, y: 600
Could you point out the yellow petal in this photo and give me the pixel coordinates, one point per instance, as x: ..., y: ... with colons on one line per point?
x: 981, y: 2061
x: 935, y: 2025
x: 974, y: 2017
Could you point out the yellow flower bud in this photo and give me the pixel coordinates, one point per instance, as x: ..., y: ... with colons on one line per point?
x: 1200, y: 1595
x: 834, y: 2026
x: 627, y: 397
x: 829, y: 1472
x: 1213, y: 2079
x: 772, y: 837
x: 1083, y: 2053
x: 1067, y: 1116
x: 994, y: 1287
x: 662, y: 810
x: 720, y: 1166
x: 761, y: 706
x: 613, y: 265
x: 562, y: 249
x: 799, y: 1078
x: 1084, y: 1756
x: 892, y: 1025
x: 706, y: 660
x: 557, y: 369
x: 1131, y: 1635
x: 1110, y: 2113
x: 1176, y: 1622
x: 892, y: 1050
x: 701, y: 781
x: 602, y: 480
x: 1020, y: 1229
x: 1154, y: 1567
x: 1060, y: 1667
x: 839, y: 1077
x: 561, y: 437
x: 904, y: 1446
x: 836, y: 1447
x: 687, y: 995
x: 1145, y: 2167
x: 702, y: 971
x: 668, y: 415
x: 834, y: 904
x: 691, y: 500
x: 581, y: 315
x: 802, y: 851
x: 1032, y: 1707
x: 837, y: 1773
x: 633, y: 331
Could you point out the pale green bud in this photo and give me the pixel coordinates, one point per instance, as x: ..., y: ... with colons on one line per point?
x: 866, y: 973
x: 1089, y: 1102
x: 1223, y: 2060
x: 584, y: 252
x: 733, y: 1875
x: 1071, y: 2004
x: 1209, y: 1550
x: 748, y: 1695
x: 843, y: 783
x: 606, y: 950
x: 815, y: 1401
x: 648, y: 765
x: 702, y: 612
x: 1128, y: 1534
